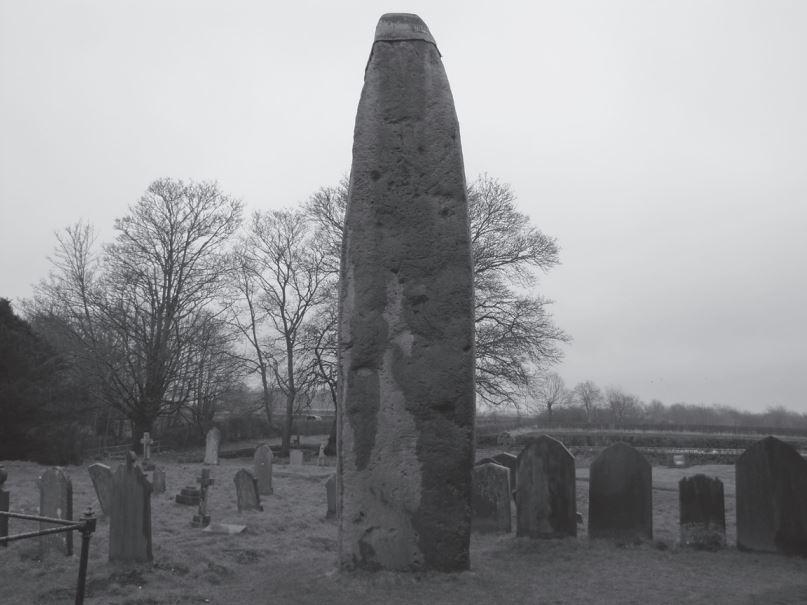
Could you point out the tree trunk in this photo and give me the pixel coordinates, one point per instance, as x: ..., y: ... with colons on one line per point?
x: 287, y: 424
x: 330, y: 448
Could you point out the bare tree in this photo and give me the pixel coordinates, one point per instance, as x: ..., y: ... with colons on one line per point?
x: 285, y: 273
x: 133, y: 310
x: 623, y: 406
x: 589, y: 396
x: 552, y: 392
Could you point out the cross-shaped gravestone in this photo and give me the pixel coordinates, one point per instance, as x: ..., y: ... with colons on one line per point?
x: 201, y: 518
x: 147, y: 441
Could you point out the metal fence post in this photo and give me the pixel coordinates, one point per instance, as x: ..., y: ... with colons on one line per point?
x: 87, y: 529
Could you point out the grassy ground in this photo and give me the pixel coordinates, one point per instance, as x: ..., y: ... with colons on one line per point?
x: 287, y: 555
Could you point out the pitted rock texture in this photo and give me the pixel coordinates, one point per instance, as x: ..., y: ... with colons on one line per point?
x: 406, y: 408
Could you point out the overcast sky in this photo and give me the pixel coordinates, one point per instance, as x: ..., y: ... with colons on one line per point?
x: 663, y: 143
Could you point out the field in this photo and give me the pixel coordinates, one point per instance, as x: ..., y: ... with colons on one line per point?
x: 287, y: 554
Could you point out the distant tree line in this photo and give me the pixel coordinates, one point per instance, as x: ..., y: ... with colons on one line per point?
x: 190, y: 301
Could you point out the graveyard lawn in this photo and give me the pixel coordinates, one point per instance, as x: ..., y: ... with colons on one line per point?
x: 287, y: 554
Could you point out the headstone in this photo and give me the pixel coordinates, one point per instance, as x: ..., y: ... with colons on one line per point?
x: 212, y: 446
x: 702, y: 512
x: 321, y: 456
x: 4, y: 504
x: 406, y: 412
x: 246, y: 491
x: 147, y: 441
x: 296, y: 457
x: 771, y: 492
x: 158, y: 481
x: 55, y: 500
x: 263, y: 469
x: 330, y: 493
x: 101, y: 476
x: 490, y: 499
x: 504, y: 439
x: 620, y: 501
x: 511, y: 462
x: 546, y: 503
x: 202, y: 518
x: 130, y: 516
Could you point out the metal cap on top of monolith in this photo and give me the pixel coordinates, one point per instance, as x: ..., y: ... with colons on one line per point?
x: 406, y: 325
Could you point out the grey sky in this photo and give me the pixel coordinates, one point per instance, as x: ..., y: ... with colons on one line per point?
x: 663, y: 143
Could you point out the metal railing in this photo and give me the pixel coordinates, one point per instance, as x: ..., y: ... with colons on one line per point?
x: 86, y: 526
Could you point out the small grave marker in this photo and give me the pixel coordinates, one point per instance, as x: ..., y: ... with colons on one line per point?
x: 321, y: 460
x: 330, y: 493
x: 771, y: 488
x: 296, y: 457
x: 263, y: 469
x: 702, y: 512
x: 147, y: 441
x: 212, y: 443
x: 55, y: 500
x: 101, y: 476
x: 546, y: 503
x: 490, y: 498
x: 158, y: 481
x: 130, y: 517
x: 620, y: 502
x: 246, y: 491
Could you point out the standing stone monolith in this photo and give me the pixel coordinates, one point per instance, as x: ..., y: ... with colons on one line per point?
x: 771, y: 486
x: 546, y: 503
x: 263, y: 468
x: 406, y: 327
x: 246, y: 491
x: 130, y: 514
x: 702, y: 512
x: 212, y: 443
x: 490, y: 499
x: 56, y: 501
x: 101, y: 476
x: 620, y: 495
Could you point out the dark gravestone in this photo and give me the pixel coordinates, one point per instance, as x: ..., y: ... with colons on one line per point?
x: 620, y: 502
x: 491, y: 498
x: 702, y: 512
x: 130, y: 515
x: 546, y: 504
x: 511, y: 462
x: 772, y: 498
x: 55, y: 500
x: 101, y: 476
x: 406, y: 329
x: 263, y: 468
x: 158, y: 481
x: 246, y: 491
x: 330, y: 493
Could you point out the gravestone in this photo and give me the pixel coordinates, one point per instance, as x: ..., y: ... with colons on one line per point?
x: 55, y: 500
x: 490, y: 498
x: 263, y: 469
x: 202, y: 518
x: 146, y: 440
x: 130, y: 515
x: 189, y: 496
x: 246, y: 491
x: 212, y: 446
x: 330, y: 493
x: 702, y: 512
x: 405, y: 420
x: 101, y: 476
x: 321, y: 461
x: 5, y: 499
x: 158, y: 481
x: 511, y: 462
x: 620, y: 501
x: 546, y: 503
x: 504, y: 439
x: 296, y: 458
x: 771, y: 493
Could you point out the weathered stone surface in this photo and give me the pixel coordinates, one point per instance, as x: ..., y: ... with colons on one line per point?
x: 330, y: 493
x: 490, y: 501
x: 771, y: 489
x: 55, y: 500
x: 546, y: 504
x: 130, y: 515
x: 620, y: 501
x: 406, y: 412
x: 246, y: 491
x: 263, y: 469
x: 511, y: 462
x: 212, y: 443
x: 702, y: 512
x: 158, y: 481
x: 296, y: 458
x: 101, y: 476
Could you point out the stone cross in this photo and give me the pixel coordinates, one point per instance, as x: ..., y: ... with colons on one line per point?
x: 201, y: 518
x: 146, y: 441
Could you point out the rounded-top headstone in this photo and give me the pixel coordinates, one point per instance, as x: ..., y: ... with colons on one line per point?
x: 406, y: 329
